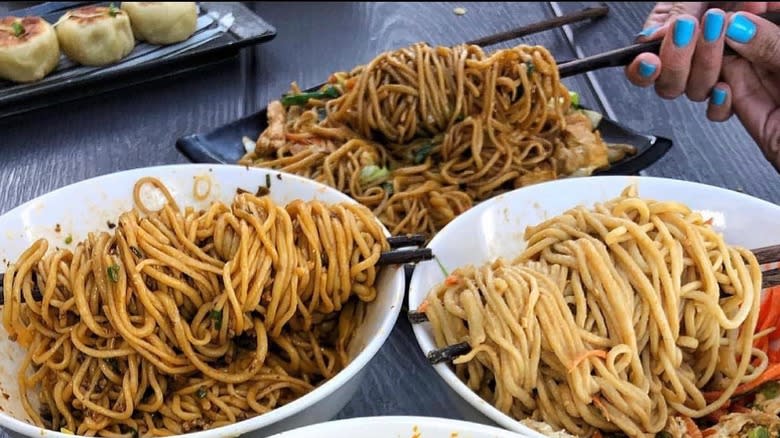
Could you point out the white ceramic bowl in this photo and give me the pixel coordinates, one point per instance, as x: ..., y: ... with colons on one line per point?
x: 87, y: 205
x: 398, y: 427
x: 495, y: 228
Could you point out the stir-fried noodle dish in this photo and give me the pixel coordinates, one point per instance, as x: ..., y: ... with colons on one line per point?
x: 630, y: 318
x: 181, y: 320
x: 420, y: 134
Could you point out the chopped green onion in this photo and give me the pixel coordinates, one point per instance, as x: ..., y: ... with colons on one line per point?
x: 268, y: 181
x: 770, y: 390
x: 68, y: 240
x: 530, y: 67
x: 441, y: 266
x: 137, y: 252
x: 575, y: 98
x: 388, y: 186
x: 663, y: 434
x: 113, y: 272
x: 595, y: 118
x: 134, y: 433
x: 18, y: 29
x: 216, y: 315
x: 423, y: 153
x: 371, y: 174
x: 112, y: 10
x: 202, y: 392
x: 300, y: 99
x: 758, y: 432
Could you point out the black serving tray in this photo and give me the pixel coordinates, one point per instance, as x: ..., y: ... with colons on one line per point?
x: 223, y: 145
x: 147, y: 62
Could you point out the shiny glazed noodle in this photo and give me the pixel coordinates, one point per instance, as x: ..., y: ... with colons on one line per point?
x: 179, y: 321
x: 613, y: 319
x: 422, y: 133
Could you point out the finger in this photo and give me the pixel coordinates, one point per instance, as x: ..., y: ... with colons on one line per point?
x: 708, y: 56
x: 676, y: 53
x: 719, y: 107
x: 755, y: 39
x: 644, y: 69
x: 755, y: 107
x: 657, y: 21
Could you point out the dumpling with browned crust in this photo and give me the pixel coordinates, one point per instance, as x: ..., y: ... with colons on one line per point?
x: 29, y: 49
x: 95, y: 35
x: 162, y: 22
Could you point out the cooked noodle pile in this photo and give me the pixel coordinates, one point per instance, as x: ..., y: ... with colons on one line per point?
x: 187, y: 320
x: 422, y: 133
x: 615, y: 318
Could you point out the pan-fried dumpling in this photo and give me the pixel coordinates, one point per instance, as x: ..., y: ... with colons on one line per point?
x: 28, y: 49
x: 95, y: 35
x: 162, y: 22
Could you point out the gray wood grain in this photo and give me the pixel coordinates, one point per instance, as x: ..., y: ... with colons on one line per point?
x: 53, y: 147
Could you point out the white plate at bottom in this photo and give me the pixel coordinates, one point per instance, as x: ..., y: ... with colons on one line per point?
x: 398, y: 427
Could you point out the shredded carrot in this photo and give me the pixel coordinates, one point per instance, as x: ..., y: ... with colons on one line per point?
x: 423, y: 307
x: 592, y: 353
x: 293, y: 136
x: 771, y: 373
x: 599, y: 404
x: 709, y: 432
x: 452, y: 280
x: 350, y: 83
x: 597, y: 434
x: 708, y: 221
x: 691, y: 428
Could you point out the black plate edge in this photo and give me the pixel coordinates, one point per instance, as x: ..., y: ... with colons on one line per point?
x: 196, y: 147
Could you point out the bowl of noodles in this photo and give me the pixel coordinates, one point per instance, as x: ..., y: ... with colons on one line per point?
x: 608, y: 306
x: 194, y: 300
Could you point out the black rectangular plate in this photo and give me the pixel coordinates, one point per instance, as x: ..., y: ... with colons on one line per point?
x: 247, y: 29
x: 223, y: 145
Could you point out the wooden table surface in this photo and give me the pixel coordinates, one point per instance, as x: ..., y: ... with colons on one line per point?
x: 138, y: 126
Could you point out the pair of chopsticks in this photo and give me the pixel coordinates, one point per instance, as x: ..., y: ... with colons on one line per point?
x: 396, y: 256
x: 623, y: 56
x: 614, y: 58
x: 770, y: 278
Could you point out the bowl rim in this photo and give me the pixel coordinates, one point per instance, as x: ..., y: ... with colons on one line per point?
x: 460, y: 426
x: 617, y: 182
x: 321, y: 392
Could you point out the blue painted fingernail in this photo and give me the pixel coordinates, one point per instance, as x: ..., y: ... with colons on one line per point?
x: 683, y: 31
x: 718, y: 96
x: 647, y: 32
x: 646, y: 69
x: 713, y: 25
x: 741, y: 29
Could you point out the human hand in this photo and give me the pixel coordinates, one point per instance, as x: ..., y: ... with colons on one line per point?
x: 691, y: 61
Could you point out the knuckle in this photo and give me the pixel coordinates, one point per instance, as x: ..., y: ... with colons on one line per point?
x: 668, y: 91
x: 769, y: 49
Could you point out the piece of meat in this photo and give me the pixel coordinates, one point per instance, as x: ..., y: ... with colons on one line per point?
x: 273, y: 136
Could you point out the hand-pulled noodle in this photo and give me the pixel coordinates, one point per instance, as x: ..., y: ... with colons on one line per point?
x: 422, y: 133
x: 617, y: 318
x: 183, y: 320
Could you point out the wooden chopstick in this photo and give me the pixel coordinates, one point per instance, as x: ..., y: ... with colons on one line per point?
x: 584, y: 14
x: 623, y: 56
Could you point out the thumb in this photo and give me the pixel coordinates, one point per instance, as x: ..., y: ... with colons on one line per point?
x: 662, y: 14
x: 755, y: 39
